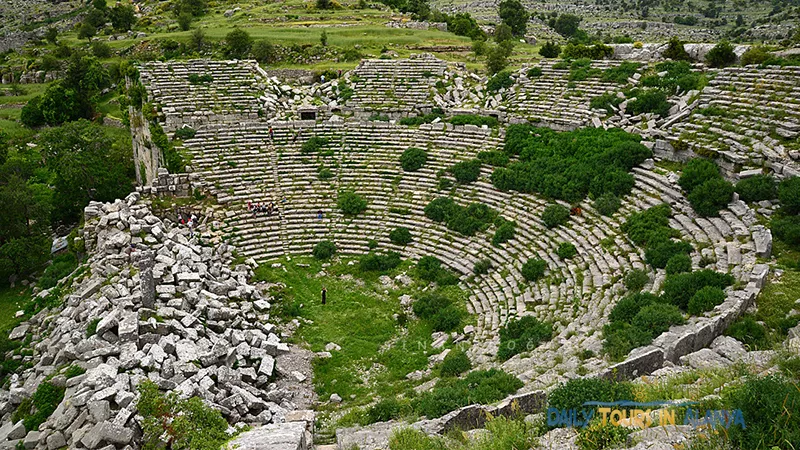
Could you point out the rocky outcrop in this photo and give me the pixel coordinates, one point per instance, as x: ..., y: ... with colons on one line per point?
x: 166, y: 309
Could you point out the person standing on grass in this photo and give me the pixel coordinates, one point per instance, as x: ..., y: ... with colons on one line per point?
x: 324, y: 295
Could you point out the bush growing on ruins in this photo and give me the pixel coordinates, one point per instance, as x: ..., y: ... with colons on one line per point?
x: 482, y: 266
x: 454, y: 364
x: 621, y: 73
x: 62, y: 266
x: 679, y: 289
x: 494, y: 158
x: 429, y: 268
x: 721, y: 55
x: 555, y: 215
x: 35, y: 410
x: 649, y: 226
x: 656, y: 318
x: 607, y: 204
x: 566, y: 250
x: 400, y: 236
x: 787, y: 229
x: 658, y: 254
x: 184, y: 133
x: 407, y: 438
x: 265, y: 52
x: 629, y: 306
x: 439, y: 310
x: 749, y: 332
x: 351, y: 203
x: 620, y: 338
x: 756, y: 54
x: 607, y: 101
x: 676, y: 51
x: 599, y: 436
x: 769, y: 405
x: 679, y: 263
x: 649, y: 101
x: 466, y: 171
x: 500, y: 80
x: 497, y: 56
x: 696, y: 172
x: 574, y: 393
x: 413, y: 159
x: 578, y: 51
x: 533, y: 269
x: 465, y: 220
x: 324, y: 250
x: 374, y: 262
x: 504, y: 232
x: 636, y: 280
x: 480, y: 386
x: 472, y: 119
x: 677, y: 76
x: 563, y: 165
x: 549, y: 50
x: 705, y: 300
x: 383, y: 411
x: 757, y: 188
x: 789, y: 196
x: 566, y: 24
x: 238, y: 43
x: 503, y: 33
x: 710, y: 197
x: 101, y: 50
x: 314, y: 144
x: 534, y: 72
x: 522, y: 335
x: 188, y: 424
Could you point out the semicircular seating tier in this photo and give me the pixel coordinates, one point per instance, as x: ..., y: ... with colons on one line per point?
x: 747, y: 116
x: 240, y: 164
x: 552, y: 99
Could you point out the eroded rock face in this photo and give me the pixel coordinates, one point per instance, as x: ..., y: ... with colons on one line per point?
x: 166, y: 310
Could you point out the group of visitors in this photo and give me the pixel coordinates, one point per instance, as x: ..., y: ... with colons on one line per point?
x: 190, y: 222
x: 256, y: 208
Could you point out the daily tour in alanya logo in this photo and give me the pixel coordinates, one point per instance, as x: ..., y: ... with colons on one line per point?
x: 645, y: 415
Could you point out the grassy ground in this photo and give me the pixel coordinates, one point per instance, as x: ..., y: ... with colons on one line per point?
x: 378, y: 350
x: 11, y: 301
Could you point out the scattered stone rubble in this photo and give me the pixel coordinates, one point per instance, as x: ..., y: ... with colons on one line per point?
x: 171, y: 311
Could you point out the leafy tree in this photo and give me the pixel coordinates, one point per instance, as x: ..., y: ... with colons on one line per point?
x: 566, y: 25
x: 533, y: 269
x: 351, y: 203
x: 238, y: 43
x: 86, y: 30
x: 51, y: 35
x: 555, y: 215
x: 513, y: 14
x: 198, y: 39
x: 676, y: 51
x: 421, y: 9
x: 503, y: 33
x: 185, y: 21
x: 265, y: 52
x: 193, y: 7
x: 88, y: 164
x: 550, y: 50
x: 497, y: 57
x: 756, y: 54
x: 721, y: 55
x: 101, y: 49
x: 122, y: 17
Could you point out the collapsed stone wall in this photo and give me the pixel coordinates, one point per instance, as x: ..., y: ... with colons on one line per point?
x: 170, y: 311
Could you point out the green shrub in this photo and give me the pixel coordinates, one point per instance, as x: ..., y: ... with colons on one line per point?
x: 757, y: 188
x: 351, y: 203
x: 482, y: 267
x: 787, y: 229
x: 710, y: 197
x: 649, y: 101
x: 705, y: 300
x: 676, y: 51
x: 696, y: 172
x: 91, y: 327
x: 749, y: 332
x: 465, y: 220
x: 550, y: 50
x: 428, y: 268
x: 656, y: 318
x: 636, y: 280
x: 607, y: 204
x: 428, y: 305
x: 471, y: 119
x: 466, y: 171
x: 324, y: 250
x: 679, y: 289
x: 789, y: 195
x: 620, y: 338
x: 524, y: 334
x: 599, y: 436
x: 679, y: 263
x: 621, y: 73
x: 62, y: 266
x: 455, y: 363
x: 574, y: 393
x: 73, y: 371
x: 324, y: 174
x: 504, y: 232
x: 533, y: 269
x: 197, y: 79
x: 184, y: 133
x: 169, y: 420
x: 629, y: 306
x: 607, y: 101
x: 374, y: 262
x: 400, y: 236
x: 577, y: 51
x: 494, y: 158
x: 649, y: 226
x: 500, y: 80
x: 383, y: 411
x: 769, y: 406
x: 566, y: 250
x: 413, y: 439
x: 413, y: 159
x: 36, y: 409
x: 756, y: 54
x: 314, y: 144
x: 555, y: 215
x: 447, y: 319
x: 721, y: 55
x: 534, y: 72
x: 660, y: 253
x: 480, y: 386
